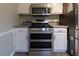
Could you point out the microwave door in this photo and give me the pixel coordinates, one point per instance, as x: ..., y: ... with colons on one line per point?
x: 41, y: 11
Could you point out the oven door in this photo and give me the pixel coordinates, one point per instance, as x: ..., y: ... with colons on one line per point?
x: 40, y: 10
x: 40, y: 45
x: 40, y: 36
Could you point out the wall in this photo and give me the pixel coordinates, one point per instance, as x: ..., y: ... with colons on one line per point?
x: 8, y: 19
x: 6, y: 44
x: 8, y: 16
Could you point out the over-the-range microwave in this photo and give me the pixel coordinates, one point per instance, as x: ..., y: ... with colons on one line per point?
x: 40, y: 11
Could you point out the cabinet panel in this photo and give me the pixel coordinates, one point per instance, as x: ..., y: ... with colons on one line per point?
x: 56, y: 8
x: 67, y: 7
x: 60, y: 39
x: 60, y: 42
x: 21, y: 40
x: 60, y: 30
x: 24, y: 8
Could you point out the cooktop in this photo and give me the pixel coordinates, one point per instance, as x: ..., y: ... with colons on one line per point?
x: 40, y: 25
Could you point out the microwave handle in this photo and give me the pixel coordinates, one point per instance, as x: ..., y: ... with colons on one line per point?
x: 46, y: 10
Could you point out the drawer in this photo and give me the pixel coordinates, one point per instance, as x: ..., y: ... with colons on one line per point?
x: 20, y: 30
x: 60, y: 30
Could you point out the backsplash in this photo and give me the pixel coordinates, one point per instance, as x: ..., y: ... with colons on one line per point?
x: 29, y: 18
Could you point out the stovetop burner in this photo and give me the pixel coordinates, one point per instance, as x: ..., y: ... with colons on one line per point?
x: 40, y: 25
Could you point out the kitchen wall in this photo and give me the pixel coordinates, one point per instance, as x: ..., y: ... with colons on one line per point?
x: 8, y: 19
x: 8, y: 16
x: 6, y: 44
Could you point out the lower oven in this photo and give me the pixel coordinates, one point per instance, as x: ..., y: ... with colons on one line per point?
x: 40, y: 40
x: 40, y: 45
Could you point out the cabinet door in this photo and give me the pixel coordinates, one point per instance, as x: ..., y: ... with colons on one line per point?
x: 68, y: 7
x: 60, y: 42
x: 24, y: 8
x: 21, y: 41
x: 56, y: 8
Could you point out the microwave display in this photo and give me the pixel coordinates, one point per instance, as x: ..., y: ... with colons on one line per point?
x: 40, y: 10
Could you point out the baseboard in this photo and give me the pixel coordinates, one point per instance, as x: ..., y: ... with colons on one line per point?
x: 12, y: 53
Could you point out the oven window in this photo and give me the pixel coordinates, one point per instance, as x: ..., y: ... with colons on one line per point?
x: 40, y: 36
x: 40, y: 45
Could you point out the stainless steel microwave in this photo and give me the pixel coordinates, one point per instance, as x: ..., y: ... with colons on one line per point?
x: 40, y: 11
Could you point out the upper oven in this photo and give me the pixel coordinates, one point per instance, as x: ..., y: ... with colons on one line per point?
x: 40, y: 36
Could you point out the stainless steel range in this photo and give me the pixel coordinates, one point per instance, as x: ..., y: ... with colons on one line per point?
x: 41, y: 35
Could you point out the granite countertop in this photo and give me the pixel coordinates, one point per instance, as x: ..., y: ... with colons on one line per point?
x: 59, y: 26
x: 26, y: 26
x: 21, y: 26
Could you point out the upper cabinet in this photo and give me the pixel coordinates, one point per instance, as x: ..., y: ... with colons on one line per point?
x: 67, y: 7
x: 56, y: 8
x: 40, y: 5
x: 24, y: 8
x: 70, y: 7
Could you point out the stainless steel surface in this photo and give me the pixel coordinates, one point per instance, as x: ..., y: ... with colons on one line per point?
x: 77, y: 42
x: 42, y: 14
x: 41, y: 26
x: 77, y: 29
x: 76, y: 47
x: 45, y: 9
x: 40, y: 30
x: 41, y: 40
x: 40, y: 21
x: 36, y: 5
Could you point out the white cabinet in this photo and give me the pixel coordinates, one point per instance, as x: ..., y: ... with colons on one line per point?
x: 56, y: 8
x: 24, y: 8
x: 60, y: 39
x: 21, y: 39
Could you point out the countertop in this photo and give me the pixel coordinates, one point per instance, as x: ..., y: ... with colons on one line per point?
x: 55, y: 26
x: 21, y: 26
x: 59, y: 26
